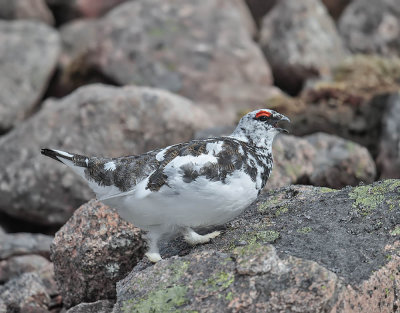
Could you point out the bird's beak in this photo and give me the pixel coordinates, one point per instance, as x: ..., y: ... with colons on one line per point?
x: 282, y: 118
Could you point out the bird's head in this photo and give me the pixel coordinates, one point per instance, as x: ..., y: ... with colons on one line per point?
x: 260, y: 127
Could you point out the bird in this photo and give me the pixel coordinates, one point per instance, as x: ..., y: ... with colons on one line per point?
x: 185, y: 186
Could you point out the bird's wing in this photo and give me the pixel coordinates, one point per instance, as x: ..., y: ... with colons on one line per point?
x: 214, y: 159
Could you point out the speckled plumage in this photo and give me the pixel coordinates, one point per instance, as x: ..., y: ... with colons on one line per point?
x: 192, y: 184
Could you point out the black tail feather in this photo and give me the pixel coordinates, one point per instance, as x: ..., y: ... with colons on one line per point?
x: 53, y: 154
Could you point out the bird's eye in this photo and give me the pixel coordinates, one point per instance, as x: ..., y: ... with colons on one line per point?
x: 263, y: 118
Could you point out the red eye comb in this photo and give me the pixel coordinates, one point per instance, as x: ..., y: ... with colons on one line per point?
x: 263, y: 113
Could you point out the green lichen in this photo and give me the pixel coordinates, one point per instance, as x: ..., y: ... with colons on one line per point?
x: 159, y: 301
x: 229, y: 296
x: 326, y: 190
x: 270, y: 203
x: 260, y: 236
x: 217, y: 282
x: 396, y: 231
x: 368, y: 198
x: 304, y: 230
x: 281, y: 210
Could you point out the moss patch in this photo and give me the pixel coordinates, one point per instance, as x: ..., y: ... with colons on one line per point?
x: 304, y: 230
x: 368, y: 198
x: 164, y: 300
x: 260, y: 236
x: 396, y: 231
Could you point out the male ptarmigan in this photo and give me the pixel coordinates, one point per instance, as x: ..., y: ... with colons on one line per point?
x: 193, y: 184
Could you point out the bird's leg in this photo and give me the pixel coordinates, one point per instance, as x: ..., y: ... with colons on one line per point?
x: 153, y: 253
x: 193, y: 238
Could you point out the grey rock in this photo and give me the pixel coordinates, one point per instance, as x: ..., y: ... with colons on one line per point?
x: 199, y: 49
x: 25, y: 293
x: 294, y: 159
x: 92, y: 251
x: 15, y: 266
x: 372, y: 27
x: 101, y: 306
x: 26, y: 9
x: 300, y: 41
x: 94, y: 120
x: 388, y: 160
x: 339, y: 162
x: 23, y: 244
x: 28, y: 56
x: 333, y: 251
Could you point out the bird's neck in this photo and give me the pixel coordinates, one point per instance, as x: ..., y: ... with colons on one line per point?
x: 255, y: 139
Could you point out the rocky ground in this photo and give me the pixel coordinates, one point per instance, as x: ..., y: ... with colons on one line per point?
x: 118, y: 77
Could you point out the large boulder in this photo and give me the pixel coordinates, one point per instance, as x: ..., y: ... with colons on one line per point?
x: 92, y: 251
x: 24, y: 244
x: 28, y: 56
x: 339, y: 162
x: 351, y: 105
x: 296, y: 249
x: 300, y: 41
x: 95, y: 120
x: 200, y: 49
x: 388, y: 160
x: 320, y: 160
x: 26, y: 9
x: 372, y: 27
x: 25, y: 293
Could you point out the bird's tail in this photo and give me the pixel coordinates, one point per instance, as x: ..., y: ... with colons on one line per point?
x: 75, y: 161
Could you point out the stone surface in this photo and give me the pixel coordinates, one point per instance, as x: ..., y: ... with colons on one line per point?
x: 294, y: 159
x: 300, y: 41
x: 66, y: 10
x: 199, y: 49
x: 92, y: 251
x: 17, y: 265
x: 388, y: 160
x: 336, y: 7
x: 351, y: 105
x: 25, y: 293
x: 94, y: 120
x: 333, y: 251
x: 28, y: 56
x: 26, y: 9
x: 23, y: 244
x: 101, y: 306
x: 339, y: 162
x: 372, y: 27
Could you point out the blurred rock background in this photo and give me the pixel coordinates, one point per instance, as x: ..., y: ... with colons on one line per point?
x: 119, y: 77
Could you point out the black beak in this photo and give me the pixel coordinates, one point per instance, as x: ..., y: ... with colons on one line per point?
x: 281, y: 118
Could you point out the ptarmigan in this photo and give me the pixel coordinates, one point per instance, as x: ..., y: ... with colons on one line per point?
x: 198, y: 183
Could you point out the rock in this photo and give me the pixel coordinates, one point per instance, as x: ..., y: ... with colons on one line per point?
x: 300, y: 41
x: 74, y: 68
x: 17, y: 265
x: 92, y: 251
x: 65, y: 10
x: 333, y: 251
x: 94, y: 120
x: 388, y: 160
x: 28, y: 55
x: 259, y: 8
x: 101, y: 306
x: 294, y: 159
x: 351, y: 105
x: 25, y: 293
x: 339, y: 162
x: 23, y: 244
x: 214, y: 58
x: 336, y: 7
x: 26, y: 9
x: 372, y: 27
